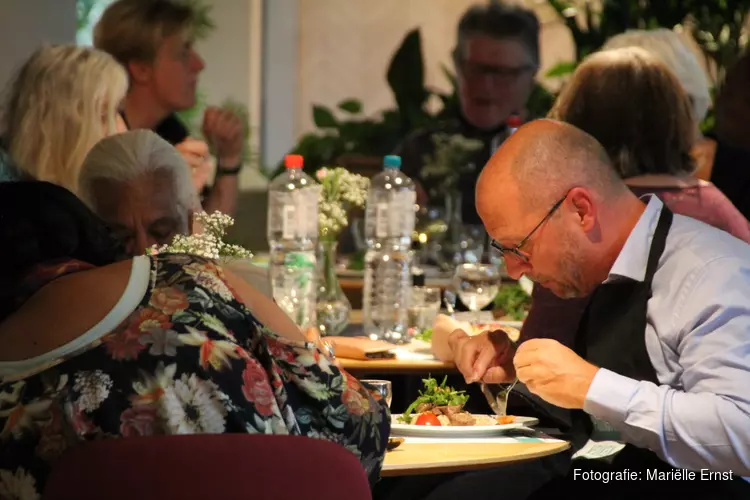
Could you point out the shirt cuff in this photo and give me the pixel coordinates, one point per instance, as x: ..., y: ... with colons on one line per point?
x: 609, y: 396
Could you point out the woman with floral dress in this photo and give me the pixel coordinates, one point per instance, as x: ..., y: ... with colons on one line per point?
x: 95, y: 347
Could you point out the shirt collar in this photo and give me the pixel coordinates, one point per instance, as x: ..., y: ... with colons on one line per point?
x: 632, y: 261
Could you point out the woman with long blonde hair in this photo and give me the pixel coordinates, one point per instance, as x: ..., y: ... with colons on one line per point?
x: 63, y: 100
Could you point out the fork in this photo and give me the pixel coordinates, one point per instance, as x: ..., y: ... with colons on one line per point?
x: 498, y: 402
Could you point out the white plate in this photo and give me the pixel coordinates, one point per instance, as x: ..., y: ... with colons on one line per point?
x: 399, y: 429
x: 485, y: 318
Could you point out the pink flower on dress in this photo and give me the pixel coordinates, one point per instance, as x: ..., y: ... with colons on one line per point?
x: 277, y: 378
x: 149, y: 319
x: 257, y: 388
x: 80, y: 423
x: 123, y: 345
x: 280, y: 351
x: 354, y: 396
x: 169, y: 300
x: 355, y: 403
x: 139, y: 420
x: 126, y: 344
x: 52, y: 442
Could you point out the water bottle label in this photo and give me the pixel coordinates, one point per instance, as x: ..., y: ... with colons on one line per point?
x: 288, y: 221
x: 382, y: 220
x: 295, y: 214
x: 406, y: 215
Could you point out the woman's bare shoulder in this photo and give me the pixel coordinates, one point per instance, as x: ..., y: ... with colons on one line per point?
x: 63, y: 310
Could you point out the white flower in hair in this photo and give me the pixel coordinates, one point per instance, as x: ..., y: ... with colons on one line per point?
x: 209, y: 244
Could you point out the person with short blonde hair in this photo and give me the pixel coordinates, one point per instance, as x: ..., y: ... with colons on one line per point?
x: 133, y: 32
x: 654, y: 136
x: 153, y: 39
x: 650, y: 143
x: 63, y: 100
x: 669, y: 47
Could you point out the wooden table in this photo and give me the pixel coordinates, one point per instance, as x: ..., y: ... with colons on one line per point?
x: 396, y: 366
x: 431, y: 458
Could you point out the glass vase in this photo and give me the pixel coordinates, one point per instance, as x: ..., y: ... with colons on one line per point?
x: 451, y: 244
x: 333, y: 307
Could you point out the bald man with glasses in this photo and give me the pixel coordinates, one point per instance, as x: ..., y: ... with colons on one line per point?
x: 661, y: 361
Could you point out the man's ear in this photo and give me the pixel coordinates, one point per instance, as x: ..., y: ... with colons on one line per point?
x: 140, y: 71
x: 584, y: 206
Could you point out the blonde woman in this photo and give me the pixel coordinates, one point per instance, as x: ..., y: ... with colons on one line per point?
x: 63, y: 100
x: 671, y: 50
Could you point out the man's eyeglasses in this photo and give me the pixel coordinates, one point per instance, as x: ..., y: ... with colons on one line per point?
x: 500, y: 73
x: 516, y: 250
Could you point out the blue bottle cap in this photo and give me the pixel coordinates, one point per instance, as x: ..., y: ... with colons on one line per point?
x: 392, y: 161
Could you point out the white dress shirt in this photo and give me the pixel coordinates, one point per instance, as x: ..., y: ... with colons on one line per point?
x: 698, y: 340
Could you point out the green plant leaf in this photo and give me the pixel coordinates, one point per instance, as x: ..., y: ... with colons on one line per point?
x: 323, y: 117
x: 561, y: 69
x: 351, y: 106
x: 406, y: 78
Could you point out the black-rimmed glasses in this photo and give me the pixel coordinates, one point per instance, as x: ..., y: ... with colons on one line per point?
x: 516, y: 250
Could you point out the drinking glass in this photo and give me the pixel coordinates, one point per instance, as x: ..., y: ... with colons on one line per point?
x: 476, y: 285
x: 424, y: 306
x: 382, y: 387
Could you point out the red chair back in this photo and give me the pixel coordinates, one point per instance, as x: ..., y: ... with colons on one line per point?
x: 226, y: 466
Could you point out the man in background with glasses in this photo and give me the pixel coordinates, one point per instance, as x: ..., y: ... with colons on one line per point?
x: 496, y: 58
x: 660, y: 368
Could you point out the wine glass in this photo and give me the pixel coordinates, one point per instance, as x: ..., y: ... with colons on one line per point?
x: 382, y: 387
x: 424, y: 306
x: 477, y: 285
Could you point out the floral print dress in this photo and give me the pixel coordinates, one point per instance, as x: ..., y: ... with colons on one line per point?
x: 189, y: 359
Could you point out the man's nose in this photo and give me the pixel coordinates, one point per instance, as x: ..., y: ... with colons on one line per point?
x: 515, y: 267
x: 487, y: 84
x: 198, y: 63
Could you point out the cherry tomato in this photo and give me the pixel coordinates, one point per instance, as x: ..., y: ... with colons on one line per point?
x: 427, y: 419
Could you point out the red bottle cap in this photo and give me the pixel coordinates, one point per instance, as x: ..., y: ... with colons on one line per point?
x: 513, y: 121
x: 293, y: 161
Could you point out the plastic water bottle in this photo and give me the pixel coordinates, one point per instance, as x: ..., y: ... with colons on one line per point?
x: 292, y: 238
x: 389, y: 223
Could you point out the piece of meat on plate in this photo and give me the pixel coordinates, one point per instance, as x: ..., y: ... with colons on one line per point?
x: 462, y: 419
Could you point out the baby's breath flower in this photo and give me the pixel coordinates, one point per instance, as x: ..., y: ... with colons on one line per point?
x: 451, y: 159
x: 340, y: 191
x: 209, y: 244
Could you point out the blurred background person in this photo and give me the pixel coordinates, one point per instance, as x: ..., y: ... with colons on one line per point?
x: 727, y: 153
x: 672, y: 51
x: 62, y: 101
x: 154, y: 41
x: 496, y: 58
